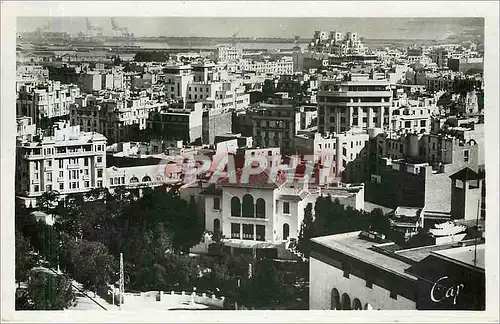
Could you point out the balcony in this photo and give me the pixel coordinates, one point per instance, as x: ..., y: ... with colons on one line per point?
x: 86, y: 177
x: 249, y: 219
x: 60, y: 179
x: 73, y: 166
x: 76, y: 153
x: 47, y: 168
x: 35, y: 181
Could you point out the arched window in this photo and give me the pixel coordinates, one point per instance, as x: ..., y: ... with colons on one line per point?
x: 260, y: 208
x: 335, y: 299
x: 356, y: 304
x: 146, y: 179
x: 346, y: 302
x: 216, y: 225
x: 248, y: 208
x: 235, y: 207
x: 286, y: 231
x: 368, y: 306
x: 134, y: 180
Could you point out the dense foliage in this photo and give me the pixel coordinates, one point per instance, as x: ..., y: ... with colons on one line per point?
x: 331, y: 217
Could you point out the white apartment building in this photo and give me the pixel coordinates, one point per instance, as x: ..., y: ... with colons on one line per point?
x: 336, y: 150
x: 259, y: 210
x: 228, y: 54
x: 25, y: 128
x: 29, y: 74
x: 337, y: 44
x: 69, y: 161
x: 51, y: 99
x: 413, y: 115
x: 280, y: 67
x: 359, y: 102
x: 111, y: 116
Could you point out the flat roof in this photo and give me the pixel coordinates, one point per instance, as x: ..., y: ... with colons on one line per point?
x: 358, y: 248
x: 465, y: 255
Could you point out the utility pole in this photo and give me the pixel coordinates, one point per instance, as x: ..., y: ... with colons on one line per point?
x: 477, y: 229
x: 122, y: 282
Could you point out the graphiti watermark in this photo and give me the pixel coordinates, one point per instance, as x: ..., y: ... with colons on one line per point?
x: 188, y: 169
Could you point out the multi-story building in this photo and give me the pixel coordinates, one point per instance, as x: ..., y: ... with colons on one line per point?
x: 361, y: 271
x: 228, y: 54
x: 359, y: 102
x: 414, y: 170
x: 177, y: 122
x: 49, y: 100
x: 338, y: 150
x: 25, y: 128
x: 274, y: 125
x: 336, y: 44
x: 413, y: 115
x: 279, y: 67
x: 261, y: 209
x: 68, y: 161
x: 30, y: 74
x: 112, y: 116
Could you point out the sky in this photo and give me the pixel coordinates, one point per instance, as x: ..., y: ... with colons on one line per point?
x: 371, y: 28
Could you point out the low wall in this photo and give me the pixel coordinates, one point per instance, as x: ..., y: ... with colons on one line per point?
x: 199, y: 298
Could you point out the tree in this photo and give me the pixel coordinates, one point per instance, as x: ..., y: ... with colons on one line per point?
x: 47, y: 291
x: 89, y: 263
x: 47, y: 200
x: 307, y: 230
x: 25, y: 258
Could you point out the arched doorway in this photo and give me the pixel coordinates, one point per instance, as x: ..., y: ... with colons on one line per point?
x: 368, y: 306
x: 216, y: 225
x: 346, y: 302
x: 356, y: 304
x: 335, y: 300
x: 286, y: 231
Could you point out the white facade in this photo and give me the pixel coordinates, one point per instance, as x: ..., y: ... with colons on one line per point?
x: 228, y: 54
x: 360, y: 103
x: 52, y: 99
x: 337, y: 150
x: 68, y: 162
x: 283, y: 66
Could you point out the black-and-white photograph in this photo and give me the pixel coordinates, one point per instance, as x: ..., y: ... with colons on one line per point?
x: 168, y: 163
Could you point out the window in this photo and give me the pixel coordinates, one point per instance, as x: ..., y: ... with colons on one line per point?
x: 260, y: 208
x: 260, y: 232
x: 286, y: 207
x: 466, y: 156
x: 86, y: 162
x: 146, y: 179
x: 49, y: 163
x: 61, y: 174
x: 49, y: 176
x: 99, y: 183
x: 111, y: 181
x: 286, y: 231
x: 86, y: 172
x: 61, y: 164
x: 99, y: 159
x: 61, y: 186
x: 216, y: 225
x: 86, y: 184
x: 36, y: 166
x: 248, y: 231
x: 36, y: 188
x: 48, y: 188
x: 99, y: 173
x: 235, y: 231
x: 216, y: 203
x: 247, y: 206
x: 235, y: 207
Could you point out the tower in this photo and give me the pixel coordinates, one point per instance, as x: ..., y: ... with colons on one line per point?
x: 465, y: 193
